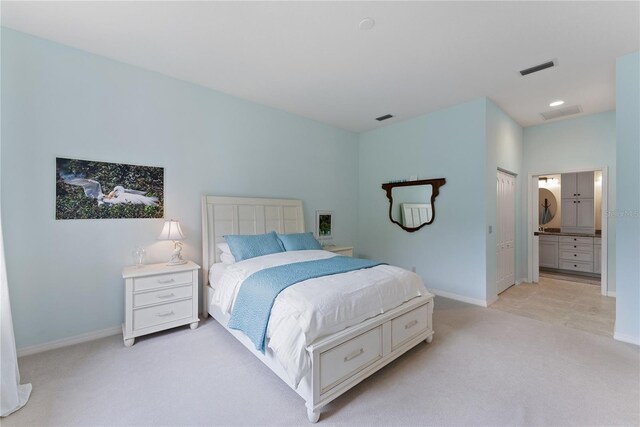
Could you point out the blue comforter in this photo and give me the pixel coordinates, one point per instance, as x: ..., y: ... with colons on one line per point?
x: 258, y: 292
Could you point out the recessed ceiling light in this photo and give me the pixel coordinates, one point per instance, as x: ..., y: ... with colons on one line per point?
x: 556, y: 103
x: 366, y: 24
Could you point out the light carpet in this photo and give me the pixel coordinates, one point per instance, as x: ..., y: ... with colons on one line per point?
x: 484, y: 367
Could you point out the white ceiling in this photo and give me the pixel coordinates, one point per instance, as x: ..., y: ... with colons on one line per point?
x: 310, y: 58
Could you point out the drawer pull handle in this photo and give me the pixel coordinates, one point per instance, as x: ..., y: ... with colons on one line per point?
x: 575, y: 254
x: 353, y: 355
x: 575, y: 246
x: 166, y: 295
x: 411, y: 324
x: 166, y: 281
x: 166, y: 314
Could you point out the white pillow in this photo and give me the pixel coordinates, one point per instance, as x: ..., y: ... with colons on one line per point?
x: 227, y: 258
x: 224, y: 247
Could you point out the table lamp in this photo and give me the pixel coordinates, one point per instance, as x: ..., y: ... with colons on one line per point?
x: 171, y: 231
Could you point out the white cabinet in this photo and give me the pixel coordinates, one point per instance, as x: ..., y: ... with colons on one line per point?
x: 159, y: 297
x: 577, y: 185
x: 578, y: 204
x: 548, y: 251
x: 597, y: 255
x: 576, y: 253
x: 578, y: 213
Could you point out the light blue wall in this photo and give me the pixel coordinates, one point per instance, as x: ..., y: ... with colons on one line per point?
x: 627, y: 209
x: 451, y: 143
x: 505, y: 151
x: 583, y: 143
x: 64, y: 276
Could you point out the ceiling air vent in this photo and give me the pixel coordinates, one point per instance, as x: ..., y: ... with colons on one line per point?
x: 539, y: 67
x: 385, y: 117
x: 561, y: 112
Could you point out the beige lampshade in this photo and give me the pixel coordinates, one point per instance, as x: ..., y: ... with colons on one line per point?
x: 171, y: 231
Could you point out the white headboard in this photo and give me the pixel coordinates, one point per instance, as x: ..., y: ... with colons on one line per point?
x: 242, y: 215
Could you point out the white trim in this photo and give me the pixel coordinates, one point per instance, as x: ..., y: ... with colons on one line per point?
x: 604, y: 227
x: 474, y: 301
x: 626, y: 338
x: 65, y: 342
x: 493, y: 299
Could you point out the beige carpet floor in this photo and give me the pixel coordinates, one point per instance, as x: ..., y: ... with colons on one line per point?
x: 561, y: 302
x: 484, y: 367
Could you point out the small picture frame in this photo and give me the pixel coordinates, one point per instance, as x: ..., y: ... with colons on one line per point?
x: 324, y: 225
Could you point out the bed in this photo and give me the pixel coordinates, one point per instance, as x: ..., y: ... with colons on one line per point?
x: 329, y: 364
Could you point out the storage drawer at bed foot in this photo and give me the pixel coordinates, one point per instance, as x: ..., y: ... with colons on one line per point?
x: 159, y: 281
x: 409, y: 325
x: 164, y: 295
x: 343, y: 361
x: 158, y: 314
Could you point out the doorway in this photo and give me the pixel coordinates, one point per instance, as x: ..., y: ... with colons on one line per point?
x: 586, y: 256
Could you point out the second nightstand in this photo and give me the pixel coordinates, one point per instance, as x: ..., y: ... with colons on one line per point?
x: 340, y: 250
x: 158, y: 297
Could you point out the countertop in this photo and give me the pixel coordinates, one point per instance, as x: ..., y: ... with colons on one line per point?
x: 557, y: 232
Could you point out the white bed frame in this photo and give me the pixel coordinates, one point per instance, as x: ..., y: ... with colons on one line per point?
x: 338, y: 361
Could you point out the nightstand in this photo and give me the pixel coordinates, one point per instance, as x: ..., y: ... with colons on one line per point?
x: 340, y: 250
x: 159, y: 297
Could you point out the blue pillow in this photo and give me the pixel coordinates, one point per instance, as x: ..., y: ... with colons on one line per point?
x: 250, y: 246
x: 299, y: 241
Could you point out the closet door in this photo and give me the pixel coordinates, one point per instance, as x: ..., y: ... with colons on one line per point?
x: 505, y: 236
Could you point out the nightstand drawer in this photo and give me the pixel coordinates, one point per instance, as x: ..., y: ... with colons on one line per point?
x: 162, y: 280
x: 163, y: 295
x: 159, y: 314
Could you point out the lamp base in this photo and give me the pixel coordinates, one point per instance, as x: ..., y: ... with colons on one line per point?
x: 179, y: 262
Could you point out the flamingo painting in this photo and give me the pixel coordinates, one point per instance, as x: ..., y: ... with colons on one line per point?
x: 91, y: 190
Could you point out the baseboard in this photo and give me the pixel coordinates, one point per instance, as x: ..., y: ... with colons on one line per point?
x: 626, y: 338
x: 39, y: 348
x: 450, y: 295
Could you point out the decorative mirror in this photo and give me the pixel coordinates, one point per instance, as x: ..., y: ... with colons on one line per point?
x: 548, y: 206
x: 412, y: 203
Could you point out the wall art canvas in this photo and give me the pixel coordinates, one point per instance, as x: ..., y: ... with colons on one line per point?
x: 92, y: 190
x: 324, y: 224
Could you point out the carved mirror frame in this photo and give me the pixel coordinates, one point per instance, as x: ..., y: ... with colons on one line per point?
x: 435, y: 185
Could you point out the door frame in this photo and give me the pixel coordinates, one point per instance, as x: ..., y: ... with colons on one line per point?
x: 532, y: 226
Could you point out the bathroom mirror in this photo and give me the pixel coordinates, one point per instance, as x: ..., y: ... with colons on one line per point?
x: 548, y: 206
x: 412, y: 203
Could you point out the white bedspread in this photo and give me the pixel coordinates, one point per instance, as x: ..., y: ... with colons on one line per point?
x: 314, y: 308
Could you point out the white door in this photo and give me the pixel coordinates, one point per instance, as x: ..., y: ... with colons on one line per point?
x: 585, y: 213
x: 568, y: 185
x: 584, y: 185
x: 506, y: 231
x: 569, y: 209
